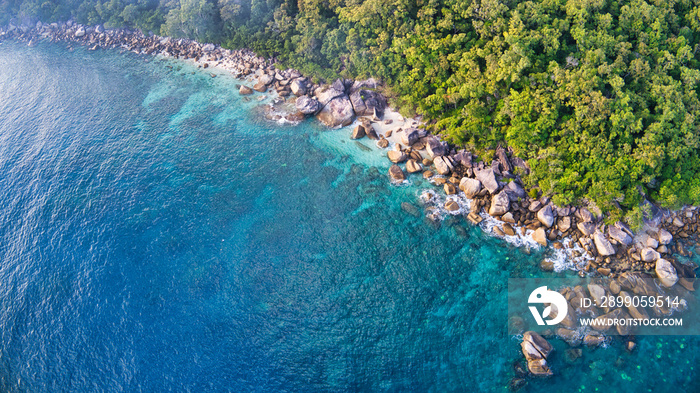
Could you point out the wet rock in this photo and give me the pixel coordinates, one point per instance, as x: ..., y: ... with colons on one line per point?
x: 338, y: 112
x: 603, y: 245
x: 470, y: 186
x: 451, y: 206
x: 245, y: 90
x: 635, y: 311
x: 603, y: 326
x: 358, y: 132
x: 443, y: 165
x: 396, y: 173
x: 508, y: 217
x: 488, y: 180
x: 396, y: 156
x: 428, y: 174
x: 449, y: 188
x: 593, y: 340
x: 383, y: 143
x: 371, y: 132
x: 570, y: 336
x: 536, y: 350
x: 499, y: 204
x: 307, y: 105
x: 547, y: 265
x: 540, y: 236
x: 260, y: 87
x: 412, y: 166
x: 545, y: 216
x: 508, y: 229
x: 666, y: 273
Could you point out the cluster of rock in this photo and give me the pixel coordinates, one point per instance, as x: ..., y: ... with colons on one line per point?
x: 535, y: 348
x: 238, y: 62
x: 607, y: 250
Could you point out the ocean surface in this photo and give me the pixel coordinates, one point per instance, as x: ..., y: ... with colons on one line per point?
x: 158, y: 234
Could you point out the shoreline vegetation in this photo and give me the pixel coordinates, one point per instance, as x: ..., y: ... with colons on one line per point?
x: 621, y: 258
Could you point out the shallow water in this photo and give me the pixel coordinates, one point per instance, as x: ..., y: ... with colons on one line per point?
x: 157, y: 234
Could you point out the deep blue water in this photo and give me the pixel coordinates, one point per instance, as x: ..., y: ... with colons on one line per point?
x: 156, y: 234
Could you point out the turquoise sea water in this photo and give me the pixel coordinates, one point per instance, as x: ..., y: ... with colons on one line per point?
x: 156, y: 234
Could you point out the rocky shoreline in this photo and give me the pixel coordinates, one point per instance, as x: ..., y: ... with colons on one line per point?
x: 495, y: 190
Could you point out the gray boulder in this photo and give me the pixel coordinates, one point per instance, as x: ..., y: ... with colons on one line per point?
x: 515, y: 192
x: 545, y: 216
x: 307, y: 105
x: 368, y: 102
x: 665, y: 237
x: 488, y: 180
x: 324, y: 96
x: 470, y: 187
x: 603, y: 245
x: 443, y: 165
x: 618, y: 234
x: 666, y: 273
x: 409, y: 137
x: 298, y: 87
x: 499, y: 204
x: 648, y: 254
x: 435, y: 147
x: 338, y: 112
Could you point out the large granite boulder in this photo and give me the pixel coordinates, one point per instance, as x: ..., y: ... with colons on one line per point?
x: 546, y: 216
x: 540, y: 236
x: 619, y: 235
x: 338, y: 112
x: 470, y: 187
x: 396, y: 173
x: 499, y: 204
x: 444, y: 165
x: 298, y: 87
x: 515, y: 192
x: 396, y: 156
x: 435, y: 147
x: 503, y: 159
x: 368, y: 102
x: 536, y: 350
x: 665, y: 237
x: 602, y: 244
x: 488, y: 180
x: 409, y: 136
x: 308, y: 105
x: 666, y: 273
x: 325, y: 95
x: 648, y: 254
x: 245, y: 90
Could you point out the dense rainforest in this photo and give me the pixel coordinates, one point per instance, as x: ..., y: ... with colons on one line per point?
x: 599, y: 96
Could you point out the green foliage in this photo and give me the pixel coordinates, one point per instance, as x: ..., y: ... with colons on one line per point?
x: 600, y: 97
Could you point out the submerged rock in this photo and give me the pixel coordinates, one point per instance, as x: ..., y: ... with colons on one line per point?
x: 396, y: 173
x: 245, y: 90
